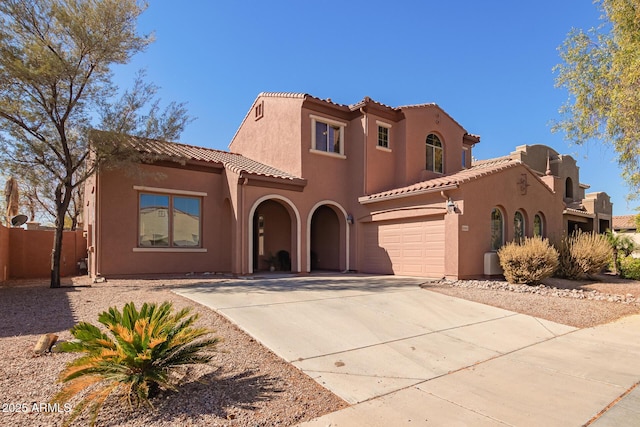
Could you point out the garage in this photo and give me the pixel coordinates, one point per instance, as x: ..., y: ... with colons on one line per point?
x: 406, y: 247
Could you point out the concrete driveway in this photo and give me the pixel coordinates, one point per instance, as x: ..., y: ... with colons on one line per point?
x: 403, y: 355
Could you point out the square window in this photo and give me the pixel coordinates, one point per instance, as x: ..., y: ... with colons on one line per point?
x: 169, y: 221
x: 383, y: 136
x: 327, y: 136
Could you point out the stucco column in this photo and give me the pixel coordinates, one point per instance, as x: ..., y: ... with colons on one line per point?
x: 451, y: 245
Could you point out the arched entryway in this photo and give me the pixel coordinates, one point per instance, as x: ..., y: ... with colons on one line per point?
x: 327, y: 238
x: 274, y: 235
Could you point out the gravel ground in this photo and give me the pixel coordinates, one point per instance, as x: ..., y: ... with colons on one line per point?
x: 582, y: 303
x: 244, y: 385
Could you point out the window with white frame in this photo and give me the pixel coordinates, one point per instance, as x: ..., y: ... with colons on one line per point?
x: 327, y: 135
x: 434, y: 161
x: 169, y: 221
x: 384, y: 130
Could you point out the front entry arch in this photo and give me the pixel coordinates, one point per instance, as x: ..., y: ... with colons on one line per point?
x: 327, y: 237
x: 274, y: 229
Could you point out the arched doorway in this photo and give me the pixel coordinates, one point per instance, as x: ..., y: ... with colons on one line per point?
x: 273, y: 231
x: 326, y: 244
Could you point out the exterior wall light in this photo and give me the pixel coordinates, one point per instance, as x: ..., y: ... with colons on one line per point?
x: 451, y: 206
x: 350, y: 219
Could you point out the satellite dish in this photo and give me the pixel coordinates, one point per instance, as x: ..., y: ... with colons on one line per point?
x: 18, y: 220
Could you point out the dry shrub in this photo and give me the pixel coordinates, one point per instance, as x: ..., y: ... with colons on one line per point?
x: 529, y: 261
x: 583, y: 254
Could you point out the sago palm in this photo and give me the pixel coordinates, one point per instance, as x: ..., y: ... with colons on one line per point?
x: 135, y: 359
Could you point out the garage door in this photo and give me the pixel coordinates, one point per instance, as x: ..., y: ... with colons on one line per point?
x: 407, y: 247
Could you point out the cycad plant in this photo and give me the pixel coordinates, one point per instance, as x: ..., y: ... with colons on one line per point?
x: 135, y: 359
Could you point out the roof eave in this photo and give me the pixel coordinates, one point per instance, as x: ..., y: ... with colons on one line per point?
x: 364, y: 200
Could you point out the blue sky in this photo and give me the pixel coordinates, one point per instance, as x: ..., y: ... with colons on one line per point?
x: 487, y: 63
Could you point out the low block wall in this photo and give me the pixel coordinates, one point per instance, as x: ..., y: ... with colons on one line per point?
x: 28, y: 253
x: 4, y: 253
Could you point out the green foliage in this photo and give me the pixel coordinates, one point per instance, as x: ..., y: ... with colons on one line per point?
x: 621, y: 246
x: 583, y: 254
x: 528, y: 262
x: 55, y: 73
x: 601, y: 70
x: 135, y: 359
x: 630, y: 268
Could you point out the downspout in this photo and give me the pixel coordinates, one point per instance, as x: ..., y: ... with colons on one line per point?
x: 244, y: 257
x: 364, y: 163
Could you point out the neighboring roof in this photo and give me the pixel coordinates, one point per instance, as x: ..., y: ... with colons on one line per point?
x: 232, y: 161
x: 578, y: 212
x: 624, y: 222
x: 446, y: 182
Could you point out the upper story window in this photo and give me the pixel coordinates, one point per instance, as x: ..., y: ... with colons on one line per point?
x: 465, y: 157
x: 327, y: 135
x: 434, y: 154
x: 568, y: 188
x: 384, y: 130
x: 169, y: 221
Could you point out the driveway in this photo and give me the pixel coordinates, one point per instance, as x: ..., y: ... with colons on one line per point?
x: 403, y: 355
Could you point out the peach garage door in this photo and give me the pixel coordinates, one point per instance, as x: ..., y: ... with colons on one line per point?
x: 406, y: 247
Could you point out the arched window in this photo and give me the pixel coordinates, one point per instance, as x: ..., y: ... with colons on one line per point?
x: 568, y: 188
x: 434, y: 154
x: 518, y: 226
x: 538, y: 225
x: 497, y: 229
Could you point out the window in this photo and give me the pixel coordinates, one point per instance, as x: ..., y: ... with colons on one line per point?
x: 169, y: 221
x: 383, y: 135
x: 568, y: 188
x: 434, y: 154
x: 497, y: 229
x: 327, y: 136
x: 464, y: 157
x: 538, y: 226
x: 518, y: 226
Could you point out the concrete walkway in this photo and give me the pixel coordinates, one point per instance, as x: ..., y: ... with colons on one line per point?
x: 402, y: 355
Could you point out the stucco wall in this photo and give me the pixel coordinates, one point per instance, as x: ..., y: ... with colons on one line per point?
x: 4, y: 253
x: 274, y: 137
x: 117, y: 232
x: 503, y: 190
x: 30, y: 253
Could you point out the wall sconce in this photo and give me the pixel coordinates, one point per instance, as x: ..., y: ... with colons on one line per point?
x: 350, y: 219
x: 451, y: 206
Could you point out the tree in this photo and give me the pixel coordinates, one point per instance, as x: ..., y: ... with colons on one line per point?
x: 601, y: 71
x: 620, y: 245
x: 55, y: 59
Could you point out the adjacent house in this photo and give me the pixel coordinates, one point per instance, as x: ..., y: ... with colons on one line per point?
x: 309, y: 184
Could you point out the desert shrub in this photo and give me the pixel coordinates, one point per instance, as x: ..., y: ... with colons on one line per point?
x: 621, y: 246
x: 583, y: 254
x: 135, y: 360
x: 630, y: 268
x: 528, y: 262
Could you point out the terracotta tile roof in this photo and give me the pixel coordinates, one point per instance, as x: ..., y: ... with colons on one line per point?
x: 579, y: 212
x: 624, y: 222
x: 232, y: 161
x: 478, y: 170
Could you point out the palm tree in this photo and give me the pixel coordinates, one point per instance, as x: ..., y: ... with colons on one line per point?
x: 135, y: 360
x: 620, y: 244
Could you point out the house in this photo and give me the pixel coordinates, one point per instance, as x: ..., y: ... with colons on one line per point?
x: 625, y: 225
x: 318, y: 185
